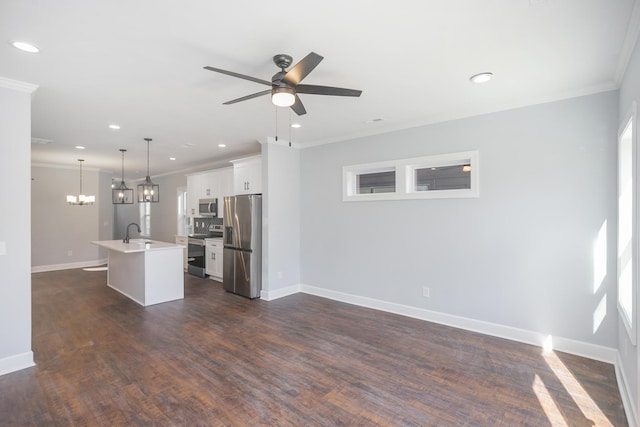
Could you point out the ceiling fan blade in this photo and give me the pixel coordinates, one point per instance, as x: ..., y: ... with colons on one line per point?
x: 327, y: 90
x: 244, y: 98
x: 238, y: 75
x: 302, y: 69
x: 298, y: 108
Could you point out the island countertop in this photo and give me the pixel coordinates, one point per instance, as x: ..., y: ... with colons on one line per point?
x: 147, y: 271
x: 135, y: 245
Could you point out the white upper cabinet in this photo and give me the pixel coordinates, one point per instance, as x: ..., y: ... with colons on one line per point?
x: 215, y: 183
x: 225, y: 177
x: 247, y: 175
x: 193, y: 194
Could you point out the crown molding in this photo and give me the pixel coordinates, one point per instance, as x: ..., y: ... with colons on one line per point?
x: 630, y: 40
x: 17, y: 85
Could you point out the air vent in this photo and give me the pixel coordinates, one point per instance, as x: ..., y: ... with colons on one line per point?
x: 41, y: 141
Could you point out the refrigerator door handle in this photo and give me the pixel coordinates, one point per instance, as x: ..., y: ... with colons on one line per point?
x: 228, y: 235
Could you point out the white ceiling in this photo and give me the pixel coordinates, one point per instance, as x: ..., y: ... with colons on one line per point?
x: 138, y: 63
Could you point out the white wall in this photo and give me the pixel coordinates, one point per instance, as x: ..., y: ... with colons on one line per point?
x: 15, y: 231
x: 164, y: 215
x: 519, y: 256
x: 60, y: 232
x: 629, y: 92
x: 281, y: 218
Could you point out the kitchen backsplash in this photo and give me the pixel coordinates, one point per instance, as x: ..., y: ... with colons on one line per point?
x: 202, y: 225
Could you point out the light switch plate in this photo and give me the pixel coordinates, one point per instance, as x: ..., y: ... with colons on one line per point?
x: 3, y: 248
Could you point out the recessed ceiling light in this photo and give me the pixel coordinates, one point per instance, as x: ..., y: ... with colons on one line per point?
x: 172, y: 158
x: 80, y: 147
x: 296, y: 125
x: 114, y: 127
x: 376, y: 120
x: 222, y: 145
x: 25, y: 47
x: 481, y: 77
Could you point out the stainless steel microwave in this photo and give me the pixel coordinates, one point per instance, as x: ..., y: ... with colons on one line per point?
x: 208, y: 207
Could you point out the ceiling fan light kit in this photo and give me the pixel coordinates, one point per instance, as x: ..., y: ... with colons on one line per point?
x: 283, y: 96
x: 285, y: 85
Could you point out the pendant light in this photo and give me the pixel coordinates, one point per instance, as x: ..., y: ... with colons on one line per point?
x: 148, y: 191
x: 122, y: 195
x: 81, y: 199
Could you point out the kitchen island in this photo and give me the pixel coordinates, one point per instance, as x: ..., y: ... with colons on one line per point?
x: 147, y: 271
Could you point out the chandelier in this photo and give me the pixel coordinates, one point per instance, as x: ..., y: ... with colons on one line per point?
x: 81, y: 199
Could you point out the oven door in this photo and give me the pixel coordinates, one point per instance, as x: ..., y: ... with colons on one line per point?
x: 196, y: 257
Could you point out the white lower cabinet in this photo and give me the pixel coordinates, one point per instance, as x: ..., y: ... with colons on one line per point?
x: 213, y: 254
x: 183, y: 240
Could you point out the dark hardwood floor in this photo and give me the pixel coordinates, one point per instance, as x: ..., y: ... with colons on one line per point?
x: 215, y: 358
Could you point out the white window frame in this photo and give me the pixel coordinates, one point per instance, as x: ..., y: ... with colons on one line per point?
x: 405, y: 183
x: 145, y: 219
x: 350, y: 179
x: 629, y: 319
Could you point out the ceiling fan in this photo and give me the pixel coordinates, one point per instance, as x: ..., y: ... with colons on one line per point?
x: 285, y: 85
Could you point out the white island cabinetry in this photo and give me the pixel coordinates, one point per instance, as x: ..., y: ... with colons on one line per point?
x: 183, y: 241
x: 147, y: 271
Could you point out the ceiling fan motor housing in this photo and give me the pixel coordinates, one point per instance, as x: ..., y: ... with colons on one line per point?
x: 282, y: 61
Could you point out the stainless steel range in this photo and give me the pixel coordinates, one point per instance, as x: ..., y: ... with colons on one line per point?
x: 196, y: 260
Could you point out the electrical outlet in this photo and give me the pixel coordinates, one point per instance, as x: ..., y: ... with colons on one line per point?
x: 425, y: 292
x: 69, y: 252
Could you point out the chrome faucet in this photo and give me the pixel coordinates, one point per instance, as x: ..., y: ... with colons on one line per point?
x: 126, y: 238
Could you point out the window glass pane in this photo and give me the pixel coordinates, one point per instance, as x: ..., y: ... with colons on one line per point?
x: 145, y: 219
x: 626, y: 192
x: 443, y: 178
x: 378, y: 182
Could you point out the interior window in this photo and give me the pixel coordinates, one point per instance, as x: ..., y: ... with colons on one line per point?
x: 443, y: 178
x: 376, y: 182
x: 452, y: 175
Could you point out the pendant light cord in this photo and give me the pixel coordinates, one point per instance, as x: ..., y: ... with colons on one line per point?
x: 122, y: 164
x: 147, y: 157
x: 289, y: 127
x: 148, y: 140
x: 80, y: 175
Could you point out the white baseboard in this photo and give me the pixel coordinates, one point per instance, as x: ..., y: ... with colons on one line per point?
x: 16, y: 362
x: 579, y: 348
x: 279, y: 293
x: 625, y: 393
x: 69, y: 266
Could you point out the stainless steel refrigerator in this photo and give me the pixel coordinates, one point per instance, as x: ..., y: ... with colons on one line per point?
x: 242, y: 256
